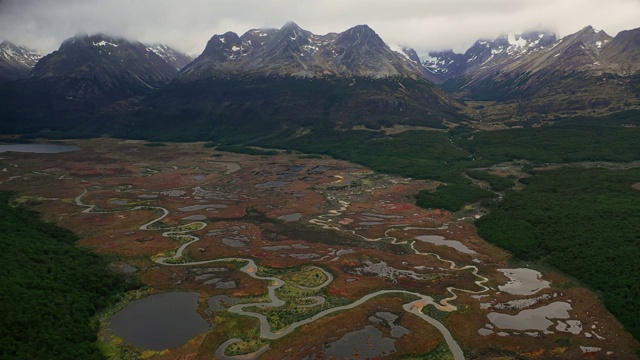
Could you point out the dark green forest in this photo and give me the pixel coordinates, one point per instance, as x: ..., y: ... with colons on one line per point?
x: 51, y: 289
x: 497, y: 183
x: 585, y: 222
x: 451, y: 197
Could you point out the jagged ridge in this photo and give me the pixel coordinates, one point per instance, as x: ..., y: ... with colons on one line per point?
x: 292, y: 51
x: 587, y: 72
x: 486, y: 56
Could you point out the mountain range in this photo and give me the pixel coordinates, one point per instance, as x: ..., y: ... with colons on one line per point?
x: 485, y: 56
x: 535, y: 74
x: 292, y: 51
x: 289, y: 76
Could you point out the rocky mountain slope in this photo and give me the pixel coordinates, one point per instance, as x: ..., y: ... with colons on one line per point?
x: 170, y: 55
x: 101, y: 67
x: 266, y: 80
x: 292, y: 51
x: 444, y: 65
x: 622, y: 53
x: 587, y: 72
x: 486, y: 56
x: 16, y: 61
x: 523, y: 76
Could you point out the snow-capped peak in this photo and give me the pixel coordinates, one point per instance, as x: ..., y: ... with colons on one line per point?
x: 487, y: 55
x: 19, y: 55
x: 173, y: 57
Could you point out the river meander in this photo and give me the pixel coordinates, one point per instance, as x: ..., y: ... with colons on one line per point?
x: 145, y: 323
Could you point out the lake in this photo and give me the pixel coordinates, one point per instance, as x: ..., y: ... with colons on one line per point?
x: 160, y: 321
x: 38, y: 148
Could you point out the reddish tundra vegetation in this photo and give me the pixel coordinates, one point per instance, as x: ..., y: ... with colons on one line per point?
x: 331, y: 231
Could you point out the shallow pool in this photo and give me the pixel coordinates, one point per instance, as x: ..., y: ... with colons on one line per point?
x: 160, y: 321
x: 38, y: 148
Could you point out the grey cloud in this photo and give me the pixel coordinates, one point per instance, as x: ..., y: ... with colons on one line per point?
x: 423, y: 24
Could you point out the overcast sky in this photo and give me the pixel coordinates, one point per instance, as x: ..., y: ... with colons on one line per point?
x: 422, y: 24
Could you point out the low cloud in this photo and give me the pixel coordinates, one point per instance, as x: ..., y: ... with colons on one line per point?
x: 422, y: 24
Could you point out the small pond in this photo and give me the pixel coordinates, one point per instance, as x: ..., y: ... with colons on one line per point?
x: 203, y: 207
x: 365, y: 343
x: 532, y: 319
x: 439, y: 240
x: 195, y: 218
x: 523, y: 281
x: 147, y: 196
x: 38, y: 148
x: 159, y: 321
x: 290, y: 217
x: 286, y: 175
x: 270, y: 185
x: 319, y: 169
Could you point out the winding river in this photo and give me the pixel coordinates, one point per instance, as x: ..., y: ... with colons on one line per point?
x: 251, y: 269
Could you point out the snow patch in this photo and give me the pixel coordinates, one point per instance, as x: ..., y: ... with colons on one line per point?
x: 105, y: 43
x: 310, y: 48
x: 435, y: 65
x: 430, y: 59
x: 516, y: 40
x: 10, y: 53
